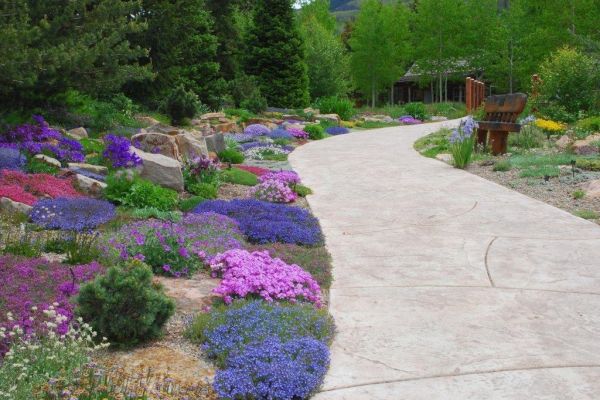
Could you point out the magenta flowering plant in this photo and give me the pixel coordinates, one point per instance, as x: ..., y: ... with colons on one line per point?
x: 176, y: 248
x: 257, y: 274
x: 288, y: 177
x: 274, y: 191
x: 298, y: 133
x: 32, y: 284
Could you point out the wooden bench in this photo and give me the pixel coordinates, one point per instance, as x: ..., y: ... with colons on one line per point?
x: 501, y: 113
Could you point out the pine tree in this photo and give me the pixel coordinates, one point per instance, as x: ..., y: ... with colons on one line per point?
x: 275, y: 54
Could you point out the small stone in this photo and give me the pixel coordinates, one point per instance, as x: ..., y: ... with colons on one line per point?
x: 445, y: 157
x: 78, y: 133
x: 48, y: 160
x: 563, y: 142
x: 13, y: 207
x: 96, y: 169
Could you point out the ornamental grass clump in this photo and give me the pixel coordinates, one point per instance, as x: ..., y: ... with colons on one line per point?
x: 28, y: 188
x: 462, y: 142
x: 39, y: 138
x: 118, y: 152
x: 32, y: 284
x: 264, y: 222
x: 257, y: 130
x: 78, y: 215
x: 274, y: 370
x: 257, y: 274
x: 228, y: 329
x: 176, y: 248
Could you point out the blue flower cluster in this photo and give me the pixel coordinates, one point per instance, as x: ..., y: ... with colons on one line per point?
x: 12, y: 159
x: 280, y: 133
x: 257, y: 130
x: 77, y: 214
x: 241, y: 137
x: 274, y: 370
x: 337, y: 130
x: 40, y: 138
x: 232, y: 328
x: 89, y: 174
x: 464, y: 131
x: 263, y: 222
x: 118, y: 151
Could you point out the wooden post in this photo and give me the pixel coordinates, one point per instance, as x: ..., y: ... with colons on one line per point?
x: 498, y: 142
x: 469, y: 94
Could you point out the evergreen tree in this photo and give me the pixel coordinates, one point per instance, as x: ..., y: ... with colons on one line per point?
x: 228, y: 34
x: 183, y: 49
x: 379, y: 51
x: 275, y: 54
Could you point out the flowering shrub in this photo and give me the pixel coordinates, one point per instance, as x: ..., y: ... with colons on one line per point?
x: 274, y: 370
x: 40, y: 138
x: 257, y: 130
x: 337, y: 130
x: 118, y: 152
x: 461, y: 142
x: 549, y: 127
x: 38, y: 283
x: 258, y: 171
x: 264, y: 222
x: 27, y: 188
x: 228, y: 329
x: 12, y: 159
x: 280, y: 133
x: 409, y: 120
x: 257, y: 274
x: 274, y: 191
x: 176, y: 248
x: 298, y: 133
x: 79, y: 214
x: 37, y: 357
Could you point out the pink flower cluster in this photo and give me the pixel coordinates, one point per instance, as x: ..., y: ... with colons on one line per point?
x: 274, y: 191
x: 288, y: 177
x: 247, y: 273
x: 258, y: 171
x: 27, y: 188
x: 298, y: 133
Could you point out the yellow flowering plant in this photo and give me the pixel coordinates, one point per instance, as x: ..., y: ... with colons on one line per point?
x: 549, y: 125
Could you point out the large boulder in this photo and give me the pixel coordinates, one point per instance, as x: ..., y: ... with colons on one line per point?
x: 563, y: 142
x: 162, y: 170
x: 191, y: 145
x: 13, y: 207
x: 329, y: 117
x: 587, y: 146
x: 78, y: 133
x: 157, y: 143
x: 592, y: 189
x: 226, y: 127
x: 89, y: 186
x: 215, y: 143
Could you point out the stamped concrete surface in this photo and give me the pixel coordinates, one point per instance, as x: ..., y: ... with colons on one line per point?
x: 448, y: 286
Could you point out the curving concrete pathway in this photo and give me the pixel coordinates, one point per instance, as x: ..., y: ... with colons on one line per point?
x: 448, y: 286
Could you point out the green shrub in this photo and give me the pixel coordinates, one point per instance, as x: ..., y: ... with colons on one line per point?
x: 19, y: 241
x: 448, y: 110
x: 246, y: 93
x: 181, y: 104
x: 119, y: 184
x: 336, y: 105
x: 125, y: 305
x: 578, y: 194
x: 151, y: 212
x: 587, y: 214
x: 35, y: 166
x: 434, y: 144
x: 231, y: 156
x: 302, y: 190
x: 92, y: 145
x: 257, y: 103
x: 282, y: 141
x: 205, y: 190
x: 569, y: 80
x: 189, y: 204
x: 416, y: 110
x: 315, y: 132
x: 146, y: 194
x: 243, y: 114
x: 239, y: 177
x: 540, y: 171
x: 591, y: 124
x: 530, y: 137
x: 588, y: 164
x: 502, y: 166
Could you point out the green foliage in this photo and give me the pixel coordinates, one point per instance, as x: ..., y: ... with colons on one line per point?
x: 231, y: 156
x: 502, y: 166
x: 379, y: 44
x: 590, y: 124
x: 118, y: 185
x: 416, y: 110
x: 587, y: 214
x: 181, y: 104
x: 336, y: 105
x: 569, y: 81
x: 247, y: 95
x: 239, y: 177
x: 19, y: 241
x: 189, y: 204
x: 537, y: 160
x: 315, y: 132
x: 255, y: 103
x: 145, y: 194
x: 275, y: 54
x: 434, y: 144
x: 588, y: 164
x: 125, y: 305
x: 242, y: 114
x: 92, y: 146
x: 540, y: 171
x: 302, y: 190
x: 151, y: 212
x: 462, y: 151
x: 446, y: 109
x: 578, y: 194
x: 204, y: 190
x: 530, y: 137
x: 35, y: 166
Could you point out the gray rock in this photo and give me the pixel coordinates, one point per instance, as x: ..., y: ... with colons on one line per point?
x: 191, y: 146
x: 78, y: 133
x: 162, y: 170
x: 158, y: 143
x: 96, y: 169
x: 12, y: 207
x: 48, y: 160
x: 89, y: 186
x: 329, y: 117
x: 592, y: 189
x: 215, y: 143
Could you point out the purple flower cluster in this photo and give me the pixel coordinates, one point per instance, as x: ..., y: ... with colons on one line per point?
x: 288, y: 177
x: 337, y: 130
x: 274, y: 370
x: 40, y: 138
x: 12, y: 159
x: 257, y: 130
x: 241, y: 137
x: 177, y: 248
x: 201, y: 169
x: 280, y: 133
x: 118, y: 151
x: 464, y: 131
x: 264, y: 222
x: 298, y: 133
x: 243, y: 323
x: 409, y: 120
x: 37, y: 283
x: 255, y: 273
x: 77, y: 214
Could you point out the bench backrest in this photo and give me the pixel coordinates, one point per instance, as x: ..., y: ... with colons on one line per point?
x: 505, y: 107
